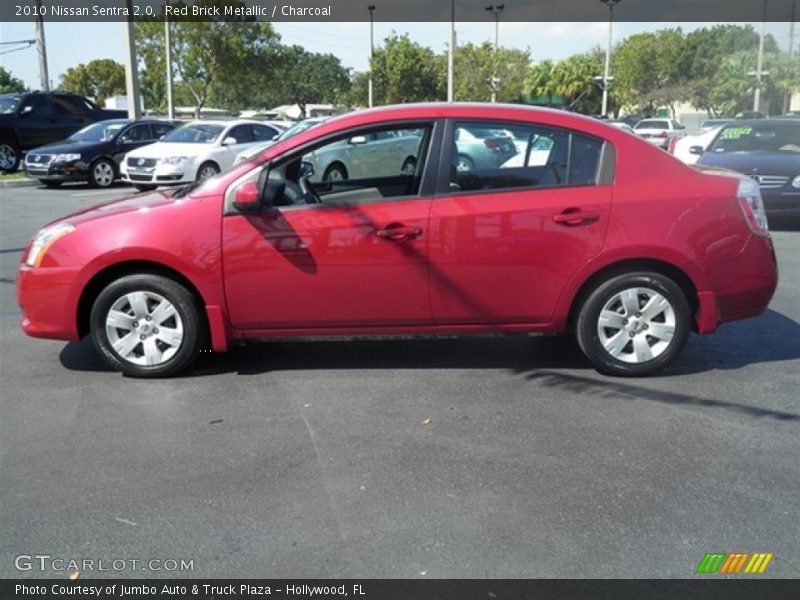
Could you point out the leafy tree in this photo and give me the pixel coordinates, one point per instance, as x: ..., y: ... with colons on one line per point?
x: 404, y: 71
x: 311, y: 77
x: 10, y: 84
x: 475, y: 66
x: 98, y: 79
x: 539, y: 81
x: 573, y: 80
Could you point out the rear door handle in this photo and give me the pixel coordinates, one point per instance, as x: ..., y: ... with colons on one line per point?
x: 397, y: 232
x: 577, y: 217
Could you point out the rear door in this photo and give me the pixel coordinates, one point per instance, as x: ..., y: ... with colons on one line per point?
x: 505, y: 241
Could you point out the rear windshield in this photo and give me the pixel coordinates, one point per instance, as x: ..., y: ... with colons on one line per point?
x: 762, y: 138
x: 652, y: 125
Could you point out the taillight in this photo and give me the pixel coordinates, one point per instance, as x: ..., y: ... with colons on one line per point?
x: 749, y: 197
x: 663, y: 134
x: 491, y: 144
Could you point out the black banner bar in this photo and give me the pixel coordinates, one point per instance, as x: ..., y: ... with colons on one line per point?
x: 395, y: 10
x: 397, y: 589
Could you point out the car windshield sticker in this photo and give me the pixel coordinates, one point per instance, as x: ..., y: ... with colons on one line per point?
x: 734, y: 133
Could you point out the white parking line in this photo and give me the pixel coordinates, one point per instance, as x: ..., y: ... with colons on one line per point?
x: 101, y: 193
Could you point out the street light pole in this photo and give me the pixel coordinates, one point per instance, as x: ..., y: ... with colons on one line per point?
x: 451, y: 52
x: 760, y: 62
x: 371, y: 9
x: 168, y: 44
x: 131, y: 67
x: 786, y: 94
x: 610, y: 4
x: 41, y: 49
x: 495, y: 9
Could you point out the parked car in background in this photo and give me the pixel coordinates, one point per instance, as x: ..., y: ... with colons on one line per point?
x: 659, y: 131
x: 294, y: 129
x: 710, y: 124
x: 479, y: 147
x: 688, y: 148
x: 34, y: 119
x: 193, y: 152
x: 620, y: 124
x: 768, y: 151
x: 578, y: 244
x: 94, y: 153
x: 380, y: 153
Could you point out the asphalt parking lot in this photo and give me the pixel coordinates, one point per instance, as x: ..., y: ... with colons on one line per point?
x: 476, y: 457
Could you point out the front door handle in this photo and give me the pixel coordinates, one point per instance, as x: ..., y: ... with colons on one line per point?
x: 572, y: 217
x: 397, y: 232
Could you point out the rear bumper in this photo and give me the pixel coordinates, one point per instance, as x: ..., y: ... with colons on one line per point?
x: 742, y: 287
x: 44, y: 294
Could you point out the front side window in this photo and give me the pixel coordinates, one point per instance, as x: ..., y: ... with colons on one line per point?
x: 139, y: 133
x: 493, y: 156
x: 372, y: 166
x: 263, y: 133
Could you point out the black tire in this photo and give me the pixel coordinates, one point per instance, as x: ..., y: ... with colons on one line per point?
x: 186, y: 309
x: 206, y: 167
x: 144, y: 188
x: 10, y: 155
x: 588, y: 334
x: 50, y: 184
x: 106, y: 177
x: 409, y: 166
x: 335, y: 168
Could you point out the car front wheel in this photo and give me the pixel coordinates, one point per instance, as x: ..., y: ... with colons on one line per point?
x: 147, y: 325
x: 102, y: 173
x: 634, y: 324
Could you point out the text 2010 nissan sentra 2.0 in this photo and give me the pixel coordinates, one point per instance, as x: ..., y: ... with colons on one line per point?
x: 603, y: 235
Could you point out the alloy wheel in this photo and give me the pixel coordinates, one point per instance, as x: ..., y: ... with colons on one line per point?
x: 8, y: 157
x: 103, y: 174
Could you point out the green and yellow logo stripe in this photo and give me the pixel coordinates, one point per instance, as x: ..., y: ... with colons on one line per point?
x: 733, y: 563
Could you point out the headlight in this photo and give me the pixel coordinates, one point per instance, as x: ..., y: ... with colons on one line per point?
x: 174, y: 160
x: 44, y: 239
x: 796, y: 182
x: 67, y: 157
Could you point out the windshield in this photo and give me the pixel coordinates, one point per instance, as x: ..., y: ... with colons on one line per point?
x: 297, y: 128
x: 98, y: 132
x: 8, y: 104
x: 196, y: 133
x: 764, y: 138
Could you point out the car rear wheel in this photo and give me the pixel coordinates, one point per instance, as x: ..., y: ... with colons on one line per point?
x: 102, y: 173
x: 634, y: 324
x: 147, y: 325
x: 9, y: 156
x: 335, y: 172
x: 206, y: 171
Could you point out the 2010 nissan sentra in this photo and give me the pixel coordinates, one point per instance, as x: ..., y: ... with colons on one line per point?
x: 605, y: 236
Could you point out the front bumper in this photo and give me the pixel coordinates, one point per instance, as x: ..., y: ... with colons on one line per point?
x: 78, y: 171
x: 45, y: 296
x: 158, y: 175
x: 782, y: 204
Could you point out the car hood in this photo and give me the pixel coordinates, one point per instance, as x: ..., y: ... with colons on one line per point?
x: 752, y: 163
x: 165, y: 149
x: 118, y: 206
x: 67, y: 147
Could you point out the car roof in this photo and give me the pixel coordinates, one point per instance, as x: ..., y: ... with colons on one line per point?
x: 224, y: 123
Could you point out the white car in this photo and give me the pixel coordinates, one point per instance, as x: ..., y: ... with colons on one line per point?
x: 689, y: 148
x: 659, y: 132
x: 294, y: 129
x: 192, y: 152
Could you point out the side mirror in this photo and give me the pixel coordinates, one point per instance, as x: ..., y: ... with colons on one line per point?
x: 357, y: 140
x: 125, y: 139
x: 696, y: 150
x: 26, y: 110
x: 229, y: 141
x: 247, y: 198
x: 306, y: 169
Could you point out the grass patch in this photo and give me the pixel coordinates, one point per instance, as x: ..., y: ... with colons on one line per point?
x: 18, y: 175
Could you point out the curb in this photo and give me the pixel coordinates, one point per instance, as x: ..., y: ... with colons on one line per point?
x: 12, y: 183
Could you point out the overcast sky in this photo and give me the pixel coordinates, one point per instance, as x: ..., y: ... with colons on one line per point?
x: 71, y: 43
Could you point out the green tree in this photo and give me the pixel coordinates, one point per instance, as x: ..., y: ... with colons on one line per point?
x: 573, y: 80
x: 539, y: 81
x: 404, y: 71
x: 99, y: 79
x: 475, y: 66
x: 310, y: 77
x: 10, y: 84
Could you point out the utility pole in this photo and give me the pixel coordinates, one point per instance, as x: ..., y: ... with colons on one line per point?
x: 787, y: 97
x: 760, y: 62
x: 168, y: 44
x: 371, y: 9
x: 451, y: 53
x: 495, y: 9
x: 131, y: 67
x: 41, y: 49
x: 606, y: 80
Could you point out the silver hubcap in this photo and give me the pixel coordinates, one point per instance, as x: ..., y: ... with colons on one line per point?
x: 144, y: 328
x: 334, y: 175
x: 7, y: 156
x: 636, y: 325
x: 103, y: 174
x: 206, y: 173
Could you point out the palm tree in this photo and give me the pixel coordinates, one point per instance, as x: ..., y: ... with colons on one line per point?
x: 539, y: 81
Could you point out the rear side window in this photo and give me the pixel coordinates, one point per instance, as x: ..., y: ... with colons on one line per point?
x: 492, y: 156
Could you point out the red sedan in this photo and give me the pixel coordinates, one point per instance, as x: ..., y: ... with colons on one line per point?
x: 588, y: 229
